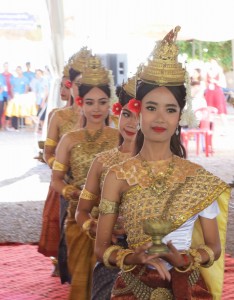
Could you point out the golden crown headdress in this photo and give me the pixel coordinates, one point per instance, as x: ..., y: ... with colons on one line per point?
x: 130, y: 86
x: 95, y: 73
x: 66, y: 70
x: 78, y: 60
x: 163, y: 67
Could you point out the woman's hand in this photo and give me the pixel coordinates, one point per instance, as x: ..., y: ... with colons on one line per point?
x: 140, y: 257
x: 174, y: 257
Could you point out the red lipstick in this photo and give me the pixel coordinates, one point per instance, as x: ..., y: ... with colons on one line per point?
x: 159, y: 129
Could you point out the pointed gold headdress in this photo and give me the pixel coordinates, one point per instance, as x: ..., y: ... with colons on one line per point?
x: 95, y: 73
x: 130, y: 86
x: 66, y: 70
x: 79, y: 60
x: 163, y: 67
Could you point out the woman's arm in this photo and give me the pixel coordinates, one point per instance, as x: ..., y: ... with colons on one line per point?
x: 51, y: 140
x: 111, y: 194
x: 62, y: 164
x: 90, y: 195
x: 211, y: 238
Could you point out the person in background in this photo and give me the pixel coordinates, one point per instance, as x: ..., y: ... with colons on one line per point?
x: 174, y: 211
x: 74, y: 154
x: 198, y: 87
x: 15, y: 107
x: 103, y: 278
x: 7, y: 93
x: 2, y: 86
x: 214, y: 94
x: 28, y: 73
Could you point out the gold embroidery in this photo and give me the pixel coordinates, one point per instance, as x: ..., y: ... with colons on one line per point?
x: 57, y: 166
x: 108, y: 207
x: 86, y: 195
x: 189, y: 185
x: 50, y: 142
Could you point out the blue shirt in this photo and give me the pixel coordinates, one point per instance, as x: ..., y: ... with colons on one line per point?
x: 2, y: 87
x: 19, y: 84
x: 29, y: 75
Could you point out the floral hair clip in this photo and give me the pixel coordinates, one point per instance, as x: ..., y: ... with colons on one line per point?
x: 68, y: 84
x: 134, y: 105
x: 79, y: 101
x: 117, y: 107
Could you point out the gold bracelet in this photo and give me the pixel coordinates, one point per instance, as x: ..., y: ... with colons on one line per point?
x: 108, y: 253
x: 121, y: 254
x: 180, y: 270
x: 86, y: 224
x: 90, y: 236
x: 197, y: 259
x: 50, y: 142
x: 86, y: 195
x: 210, y: 253
x: 57, y: 166
x: 51, y: 161
x: 108, y: 207
x: 67, y: 191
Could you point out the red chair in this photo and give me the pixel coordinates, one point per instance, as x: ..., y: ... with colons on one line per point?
x: 205, y: 130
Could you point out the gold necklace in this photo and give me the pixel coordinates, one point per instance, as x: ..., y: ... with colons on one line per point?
x: 159, y: 181
x: 92, y: 138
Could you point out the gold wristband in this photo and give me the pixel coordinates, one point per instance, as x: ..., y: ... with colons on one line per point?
x: 86, y: 224
x: 107, y: 254
x: 108, y: 207
x: 121, y: 254
x: 67, y: 192
x: 197, y: 259
x: 210, y: 253
x: 90, y: 236
x: 50, y: 142
x: 57, y: 166
x: 86, y: 195
x: 51, y: 161
x: 182, y: 270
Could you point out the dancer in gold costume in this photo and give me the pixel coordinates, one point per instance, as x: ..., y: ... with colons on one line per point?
x: 75, y: 152
x: 62, y: 120
x: 103, y: 278
x: 174, y: 211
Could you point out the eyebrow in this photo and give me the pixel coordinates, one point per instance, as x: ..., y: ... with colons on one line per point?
x: 91, y: 99
x: 155, y: 103
x: 127, y: 110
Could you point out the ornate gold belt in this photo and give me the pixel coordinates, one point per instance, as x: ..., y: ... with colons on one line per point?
x: 140, y: 290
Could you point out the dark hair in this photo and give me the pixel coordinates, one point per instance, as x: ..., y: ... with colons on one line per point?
x: 73, y: 74
x: 124, y: 97
x: 179, y: 92
x: 84, y: 89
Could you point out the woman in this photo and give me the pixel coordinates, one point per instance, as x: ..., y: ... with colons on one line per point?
x: 103, y: 278
x: 75, y: 152
x: 60, y: 121
x: 160, y: 194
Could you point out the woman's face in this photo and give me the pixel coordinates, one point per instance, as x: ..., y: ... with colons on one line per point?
x: 75, y: 87
x: 65, y: 92
x: 96, y: 106
x: 128, y: 122
x: 160, y: 114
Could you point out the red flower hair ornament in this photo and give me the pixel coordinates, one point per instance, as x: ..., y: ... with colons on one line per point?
x: 68, y: 84
x: 117, y: 107
x: 79, y: 101
x: 134, y: 105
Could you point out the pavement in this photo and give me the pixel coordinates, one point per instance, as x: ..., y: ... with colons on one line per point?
x: 24, y: 181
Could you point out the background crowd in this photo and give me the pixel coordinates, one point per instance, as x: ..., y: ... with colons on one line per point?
x: 23, y: 96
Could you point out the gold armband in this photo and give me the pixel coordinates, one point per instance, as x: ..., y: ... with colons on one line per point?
x: 50, y: 142
x: 67, y: 192
x: 107, y: 254
x: 210, y: 253
x: 57, y: 166
x: 86, y: 195
x: 108, y: 207
x: 121, y: 254
x: 51, y: 161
